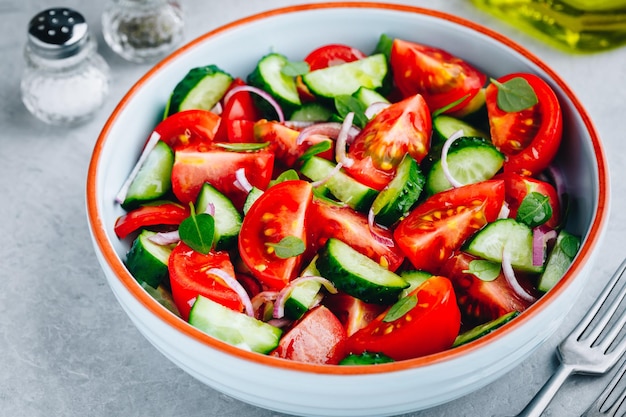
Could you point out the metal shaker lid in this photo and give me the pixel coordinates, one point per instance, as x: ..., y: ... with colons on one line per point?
x: 57, y: 33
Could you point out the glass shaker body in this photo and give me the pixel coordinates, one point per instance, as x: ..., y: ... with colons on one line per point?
x: 65, y: 81
x: 142, y: 30
x: 573, y: 25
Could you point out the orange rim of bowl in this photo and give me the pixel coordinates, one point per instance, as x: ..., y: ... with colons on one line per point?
x: 131, y: 285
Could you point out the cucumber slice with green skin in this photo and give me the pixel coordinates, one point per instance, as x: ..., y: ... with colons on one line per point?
x: 342, y: 186
x: 357, y: 275
x: 365, y: 358
x: 312, y: 112
x: 470, y: 160
x: 253, y: 195
x: 560, y: 258
x: 367, y: 96
x: 227, y: 218
x: 201, y: 88
x: 147, y: 261
x: 233, y: 327
x: 415, y: 278
x: 484, y: 329
x: 516, y: 237
x: 445, y: 126
x: 269, y: 77
x: 346, y: 79
x: 153, y: 180
x: 301, y: 299
x: 401, y: 194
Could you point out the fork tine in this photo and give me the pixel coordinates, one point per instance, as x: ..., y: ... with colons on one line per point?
x: 604, y: 321
x: 604, y: 404
x: 600, y: 301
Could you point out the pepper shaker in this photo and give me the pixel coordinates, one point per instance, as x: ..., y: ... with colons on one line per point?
x: 65, y: 81
x: 142, y: 30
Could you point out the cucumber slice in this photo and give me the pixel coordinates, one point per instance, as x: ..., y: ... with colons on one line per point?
x: 560, y: 258
x: 201, y: 88
x: 233, y: 327
x: 367, y: 96
x: 227, y: 218
x: 357, y: 275
x: 301, y: 299
x: 415, y: 278
x: 470, y: 160
x: 345, y: 79
x: 268, y: 76
x: 401, y: 194
x: 516, y: 237
x: 147, y: 261
x: 341, y: 186
x: 253, y: 195
x: 484, y: 329
x: 445, y: 126
x: 153, y: 181
x: 312, y: 112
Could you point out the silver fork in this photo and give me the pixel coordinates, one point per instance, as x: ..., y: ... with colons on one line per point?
x: 611, y: 401
x: 592, y: 347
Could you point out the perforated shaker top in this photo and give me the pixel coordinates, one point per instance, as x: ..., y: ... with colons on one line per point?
x: 57, y: 33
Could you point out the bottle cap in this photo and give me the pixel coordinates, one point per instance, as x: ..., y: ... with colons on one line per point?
x: 58, y: 33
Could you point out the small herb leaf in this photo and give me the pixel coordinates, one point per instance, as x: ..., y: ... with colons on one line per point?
x: 449, y: 106
x: 293, y: 69
x: 348, y: 104
x: 288, y: 247
x: 198, y: 231
x: 534, y: 210
x: 515, y: 95
x: 400, y: 308
x: 318, y: 148
x: 569, y: 245
x: 243, y: 147
x: 483, y: 270
x: 290, y: 174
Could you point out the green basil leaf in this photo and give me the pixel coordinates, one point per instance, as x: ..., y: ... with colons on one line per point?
x: 400, y: 308
x: 483, y: 270
x: 569, y: 245
x: 534, y: 210
x: 198, y: 231
x: 290, y: 174
x: 313, y: 150
x: 243, y: 147
x: 515, y: 95
x: 288, y: 247
x: 347, y: 104
x: 449, y: 106
x: 293, y: 69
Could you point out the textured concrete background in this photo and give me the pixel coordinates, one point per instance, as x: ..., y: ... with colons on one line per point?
x: 66, y: 346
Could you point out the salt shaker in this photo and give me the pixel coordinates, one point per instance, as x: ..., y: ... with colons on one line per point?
x: 142, y: 30
x: 65, y: 81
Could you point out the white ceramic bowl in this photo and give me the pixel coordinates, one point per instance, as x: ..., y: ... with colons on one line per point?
x: 315, y: 390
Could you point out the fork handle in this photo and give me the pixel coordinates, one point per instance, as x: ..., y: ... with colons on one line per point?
x: 541, y: 400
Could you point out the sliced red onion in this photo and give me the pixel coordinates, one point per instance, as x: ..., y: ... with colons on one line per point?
x: 152, y: 141
x: 504, y: 211
x: 210, y: 209
x: 331, y: 174
x: 298, y: 124
x: 342, y: 142
x: 280, y: 323
x: 217, y: 109
x: 375, y: 108
x: 509, y: 274
x: 283, y: 295
x: 261, y: 299
x: 237, y: 287
x: 371, y: 224
x: 263, y: 94
x: 165, y: 238
x: 541, y: 236
x: 444, y: 158
x: 242, y: 181
x: 329, y: 129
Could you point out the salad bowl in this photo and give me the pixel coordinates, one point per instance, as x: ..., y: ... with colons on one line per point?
x: 329, y: 390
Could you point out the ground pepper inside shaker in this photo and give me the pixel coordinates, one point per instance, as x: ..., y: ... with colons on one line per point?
x: 65, y: 81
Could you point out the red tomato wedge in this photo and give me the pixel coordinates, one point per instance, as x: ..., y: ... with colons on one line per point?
x: 166, y: 213
x: 238, y: 117
x: 192, y: 169
x: 429, y: 327
x: 189, y: 128
x: 189, y: 278
x: 432, y: 232
x: 439, y: 76
x: 480, y: 301
x: 332, y: 54
x: 318, y: 337
x: 529, y: 138
x: 377, y: 150
x: 353, y: 313
x: 326, y: 220
x: 517, y: 187
x: 278, y: 213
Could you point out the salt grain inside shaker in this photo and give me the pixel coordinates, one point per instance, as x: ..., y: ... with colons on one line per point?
x: 65, y: 81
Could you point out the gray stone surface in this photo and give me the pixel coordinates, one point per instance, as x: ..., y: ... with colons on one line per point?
x: 66, y: 346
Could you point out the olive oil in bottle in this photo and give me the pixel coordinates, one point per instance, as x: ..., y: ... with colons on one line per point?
x: 581, y: 26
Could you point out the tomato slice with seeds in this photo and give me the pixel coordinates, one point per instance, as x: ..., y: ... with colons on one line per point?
x: 189, y: 278
x: 403, y: 127
x: 238, y: 117
x: 352, y: 312
x: 529, y: 138
x: 189, y: 128
x: 332, y: 54
x: 278, y: 213
x: 481, y: 301
x: 435, y: 229
x: 164, y: 213
x: 439, y: 76
x: 429, y: 327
